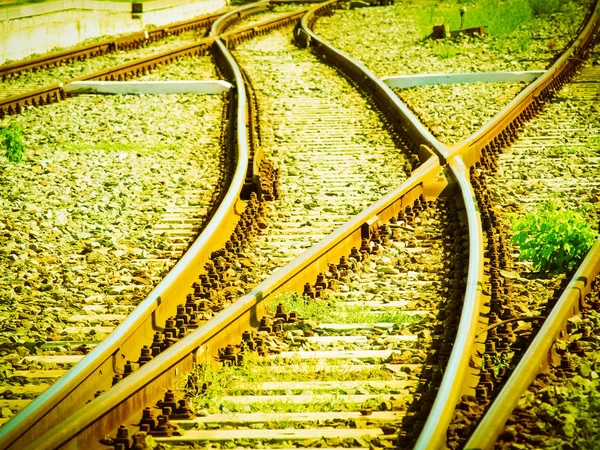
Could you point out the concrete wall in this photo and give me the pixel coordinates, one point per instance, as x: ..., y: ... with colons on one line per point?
x: 40, y: 27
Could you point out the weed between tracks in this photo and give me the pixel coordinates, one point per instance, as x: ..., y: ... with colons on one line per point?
x: 12, y: 142
x: 220, y: 382
x: 500, y: 17
x: 328, y: 310
x: 555, y: 239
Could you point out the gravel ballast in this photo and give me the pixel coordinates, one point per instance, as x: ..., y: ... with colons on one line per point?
x: 78, y: 212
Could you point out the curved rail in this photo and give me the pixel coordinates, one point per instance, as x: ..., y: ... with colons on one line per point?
x: 454, y: 383
x: 537, y: 356
x: 457, y: 372
x: 97, y: 369
x: 253, y: 176
x: 53, y: 93
x: 501, y: 127
x: 129, y: 41
x: 404, y: 120
x: 231, y: 17
x: 147, y: 385
x: 460, y: 157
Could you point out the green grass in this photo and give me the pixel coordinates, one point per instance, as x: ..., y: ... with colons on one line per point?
x: 499, y: 16
x: 328, y: 311
x: 554, y: 238
x: 12, y: 142
x: 334, y: 405
x: 220, y: 380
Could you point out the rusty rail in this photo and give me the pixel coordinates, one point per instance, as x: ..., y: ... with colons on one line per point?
x: 146, y: 385
x: 537, y: 358
x: 460, y: 158
x: 502, y: 127
x: 458, y: 376
x: 404, y: 120
x: 231, y: 17
x: 130, y: 41
x: 96, y: 371
x: 53, y: 93
x: 41, y: 96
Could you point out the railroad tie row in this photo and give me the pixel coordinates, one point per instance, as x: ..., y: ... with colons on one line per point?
x: 53, y: 96
x: 215, y: 288
x: 456, y: 247
x: 246, y: 35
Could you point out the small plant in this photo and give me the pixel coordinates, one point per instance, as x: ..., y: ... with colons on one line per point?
x: 446, y: 50
x: 539, y: 7
x: 12, y: 142
x: 554, y: 239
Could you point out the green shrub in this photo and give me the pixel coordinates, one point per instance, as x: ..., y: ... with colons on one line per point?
x: 544, y: 6
x: 554, y: 239
x: 12, y: 142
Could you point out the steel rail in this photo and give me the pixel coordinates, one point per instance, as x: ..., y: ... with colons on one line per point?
x: 502, y: 125
x: 233, y: 38
x: 50, y: 94
x: 137, y: 67
x: 96, y: 370
x: 129, y: 41
x: 537, y: 357
x: 458, y: 377
x: 461, y: 156
x: 251, y: 310
x: 405, y: 121
x: 80, y: 427
x: 231, y: 17
x: 124, y: 402
x: 42, y: 96
x: 230, y: 39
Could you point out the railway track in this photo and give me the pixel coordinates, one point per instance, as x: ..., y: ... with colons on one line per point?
x: 146, y: 385
x: 565, y: 337
x: 451, y: 111
x: 566, y: 380
x: 131, y: 66
x: 72, y: 294
x: 178, y: 224
x: 25, y: 82
x: 127, y: 42
x: 355, y: 362
x: 315, y: 197
x: 549, y: 163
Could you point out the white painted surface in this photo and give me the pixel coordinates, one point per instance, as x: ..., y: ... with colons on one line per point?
x: 407, y: 81
x: 38, y: 28
x: 148, y: 87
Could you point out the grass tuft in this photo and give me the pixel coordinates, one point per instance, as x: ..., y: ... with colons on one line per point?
x: 333, y: 310
x: 12, y: 141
